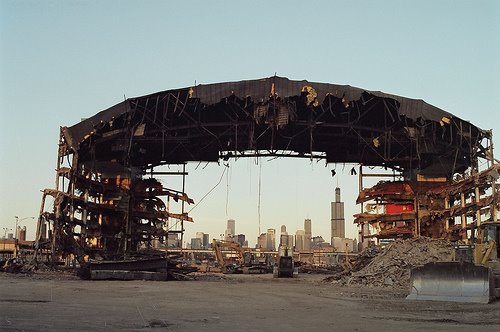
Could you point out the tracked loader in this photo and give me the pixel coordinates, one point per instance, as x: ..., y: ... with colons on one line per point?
x: 474, y: 276
x: 285, y: 267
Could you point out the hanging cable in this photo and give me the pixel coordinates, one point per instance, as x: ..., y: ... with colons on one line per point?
x: 208, y: 193
x: 227, y: 188
x: 260, y: 180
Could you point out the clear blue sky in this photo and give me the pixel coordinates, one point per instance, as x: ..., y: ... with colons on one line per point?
x: 61, y: 61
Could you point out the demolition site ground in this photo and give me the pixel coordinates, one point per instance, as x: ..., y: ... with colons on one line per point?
x: 109, y: 209
x: 208, y: 302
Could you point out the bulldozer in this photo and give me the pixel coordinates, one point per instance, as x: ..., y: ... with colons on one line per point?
x: 285, y: 267
x: 473, y: 276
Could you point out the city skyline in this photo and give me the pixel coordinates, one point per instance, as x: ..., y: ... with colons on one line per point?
x: 73, y: 69
x: 277, y: 236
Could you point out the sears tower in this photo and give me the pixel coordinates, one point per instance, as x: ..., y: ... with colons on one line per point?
x: 338, y: 221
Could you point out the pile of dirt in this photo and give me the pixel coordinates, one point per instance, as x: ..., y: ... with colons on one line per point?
x: 391, y: 267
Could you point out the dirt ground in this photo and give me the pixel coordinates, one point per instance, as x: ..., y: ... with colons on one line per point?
x: 229, y: 302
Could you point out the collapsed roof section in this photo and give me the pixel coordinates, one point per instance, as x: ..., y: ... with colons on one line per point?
x: 278, y: 116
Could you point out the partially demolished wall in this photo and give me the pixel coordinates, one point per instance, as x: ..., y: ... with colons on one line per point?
x: 435, y: 208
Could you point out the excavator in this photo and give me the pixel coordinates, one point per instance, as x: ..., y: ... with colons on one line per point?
x: 474, y: 275
x: 232, y: 259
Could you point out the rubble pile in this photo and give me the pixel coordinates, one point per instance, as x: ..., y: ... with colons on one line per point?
x: 391, y: 267
x: 19, y: 265
x: 364, y: 258
x: 311, y: 269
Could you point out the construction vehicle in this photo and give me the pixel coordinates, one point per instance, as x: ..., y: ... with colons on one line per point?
x: 474, y: 276
x: 229, y: 255
x: 233, y: 259
x: 285, y: 267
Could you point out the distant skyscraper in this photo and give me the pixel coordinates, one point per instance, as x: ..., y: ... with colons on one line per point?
x: 241, y: 239
x: 299, y: 240
x: 203, y: 239
x: 338, y: 221
x: 231, y: 225
x: 271, y: 239
x: 195, y: 243
x: 284, y: 241
x: 206, y: 241
x: 262, y: 241
x: 22, y: 233
x: 173, y: 241
x: 307, y: 234
x: 230, y: 230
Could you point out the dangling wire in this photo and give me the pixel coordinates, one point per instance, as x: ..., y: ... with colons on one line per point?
x: 260, y: 180
x: 227, y: 187
x: 208, y: 193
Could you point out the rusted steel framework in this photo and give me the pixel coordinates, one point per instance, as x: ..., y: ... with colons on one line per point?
x: 432, y: 207
x: 105, y: 203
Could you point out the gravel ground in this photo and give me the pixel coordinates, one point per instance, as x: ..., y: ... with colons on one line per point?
x: 60, y: 302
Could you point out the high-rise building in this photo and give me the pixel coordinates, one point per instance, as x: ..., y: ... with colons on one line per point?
x: 284, y: 238
x: 262, y: 241
x: 338, y: 221
x: 230, y: 230
x: 204, y: 238
x: 21, y: 233
x: 271, y: 239
x: 196, y: 243
x: 240, y: 238
x: 206, y: 241
x: 299, y: 240
x: 231, y: 226
x: 173, y: 241
x: 307, y: 234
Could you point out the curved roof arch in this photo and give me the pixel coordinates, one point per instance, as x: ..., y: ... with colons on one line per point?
x: 278, y: 116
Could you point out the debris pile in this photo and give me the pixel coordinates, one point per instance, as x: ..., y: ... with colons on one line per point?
x: 311, y: 269
x: 152, y: 268
x: 19, y: 265
x: 391, y: 267
x: 364, y: 258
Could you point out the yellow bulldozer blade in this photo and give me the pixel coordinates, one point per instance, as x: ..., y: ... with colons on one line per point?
x: 452, y: 281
